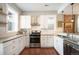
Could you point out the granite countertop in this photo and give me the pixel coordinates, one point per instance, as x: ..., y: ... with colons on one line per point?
x: 5, y: 39
x: 74, y: 43
x: 74, y: 40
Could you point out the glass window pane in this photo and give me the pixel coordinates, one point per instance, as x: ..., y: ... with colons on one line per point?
x: 12, y: 20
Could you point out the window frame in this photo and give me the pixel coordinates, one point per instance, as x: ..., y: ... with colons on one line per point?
x: 10, y: 9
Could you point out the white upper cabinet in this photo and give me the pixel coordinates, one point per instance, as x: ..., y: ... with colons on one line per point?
x: 48, y: 22
x: 25, y: 21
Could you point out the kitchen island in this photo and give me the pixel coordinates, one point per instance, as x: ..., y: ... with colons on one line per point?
x: 70, y: 44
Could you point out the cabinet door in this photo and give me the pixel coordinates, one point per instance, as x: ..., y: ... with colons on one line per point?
x: 1, y: 49
x: 15, y: 46
x: 7, y: 51
x: 23, y: 42
x: 11, y: 47
x: 20, y: 45
x: 8, y: 47
x: 16, y: 50
x: 27, y: 40
x: 58, y: 44
x: 43, y: 41
x: 55, y: 42
x: 50, y: 41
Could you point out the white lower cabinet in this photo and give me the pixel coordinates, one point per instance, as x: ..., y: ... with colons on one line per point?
x: 47, y: 41
x: 58, y: 44
x: 20, y: 46
x: 27, y: 43
x: 43, y: 41
x: 13, y: 47
x: 50, y: 41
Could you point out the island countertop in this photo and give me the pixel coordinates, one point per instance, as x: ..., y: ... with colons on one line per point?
x: 74, y: 39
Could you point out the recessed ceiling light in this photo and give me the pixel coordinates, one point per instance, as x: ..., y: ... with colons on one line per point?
x: 46, y: 5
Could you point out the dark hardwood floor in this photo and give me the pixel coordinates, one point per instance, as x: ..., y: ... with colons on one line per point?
x: 39, y: 51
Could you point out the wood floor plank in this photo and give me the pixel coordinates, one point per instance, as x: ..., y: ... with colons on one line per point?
x: 39, y: 51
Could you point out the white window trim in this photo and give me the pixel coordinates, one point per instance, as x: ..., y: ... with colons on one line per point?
x: 9, y: 8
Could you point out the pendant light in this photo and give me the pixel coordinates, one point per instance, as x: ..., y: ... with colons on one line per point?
x: 62, y: 17
x: 72, y: 12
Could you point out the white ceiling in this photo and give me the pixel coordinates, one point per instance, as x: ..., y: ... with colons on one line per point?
x: 68, y: 9
x: 39, y: 6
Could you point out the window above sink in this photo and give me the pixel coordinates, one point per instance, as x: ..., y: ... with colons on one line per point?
x: 12, y: 20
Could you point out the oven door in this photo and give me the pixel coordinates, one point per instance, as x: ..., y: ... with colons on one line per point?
x: 34, y: 39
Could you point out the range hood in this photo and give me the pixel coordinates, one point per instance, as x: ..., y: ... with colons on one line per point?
x: 35, y: 21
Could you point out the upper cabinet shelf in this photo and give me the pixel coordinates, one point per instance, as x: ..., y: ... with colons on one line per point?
x: 3, y: 24
x: 1, y: 13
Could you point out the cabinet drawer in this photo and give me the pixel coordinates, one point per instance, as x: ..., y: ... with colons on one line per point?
x: 8, y: 51
x: 11, y: 48
x: 8, y: 43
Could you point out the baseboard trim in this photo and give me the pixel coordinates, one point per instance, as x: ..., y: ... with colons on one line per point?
x: 22, y: 51
x: 56, y: 51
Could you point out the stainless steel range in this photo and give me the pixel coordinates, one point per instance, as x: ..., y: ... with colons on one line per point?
x: 35, y: 39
